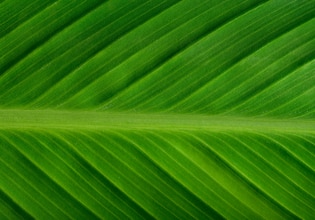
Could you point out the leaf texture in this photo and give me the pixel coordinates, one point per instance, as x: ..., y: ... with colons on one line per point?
x: 157, y: 109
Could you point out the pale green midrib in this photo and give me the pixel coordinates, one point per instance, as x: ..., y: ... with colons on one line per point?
x: 126, y: 120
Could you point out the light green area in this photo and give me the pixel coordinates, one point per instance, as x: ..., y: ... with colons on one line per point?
x: 97, y: 120
x: 192, y: 109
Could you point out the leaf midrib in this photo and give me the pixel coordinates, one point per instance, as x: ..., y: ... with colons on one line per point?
x: 153, y: 121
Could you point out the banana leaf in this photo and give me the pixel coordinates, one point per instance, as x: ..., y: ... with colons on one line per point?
x: 169, y: 109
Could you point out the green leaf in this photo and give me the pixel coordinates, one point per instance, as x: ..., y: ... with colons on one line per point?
x: 157, y: 109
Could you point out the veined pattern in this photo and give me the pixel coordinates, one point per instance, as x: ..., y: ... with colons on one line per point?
x: 157, y: 109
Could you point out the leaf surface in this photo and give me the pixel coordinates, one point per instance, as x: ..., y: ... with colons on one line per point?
x: 157, y: 109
